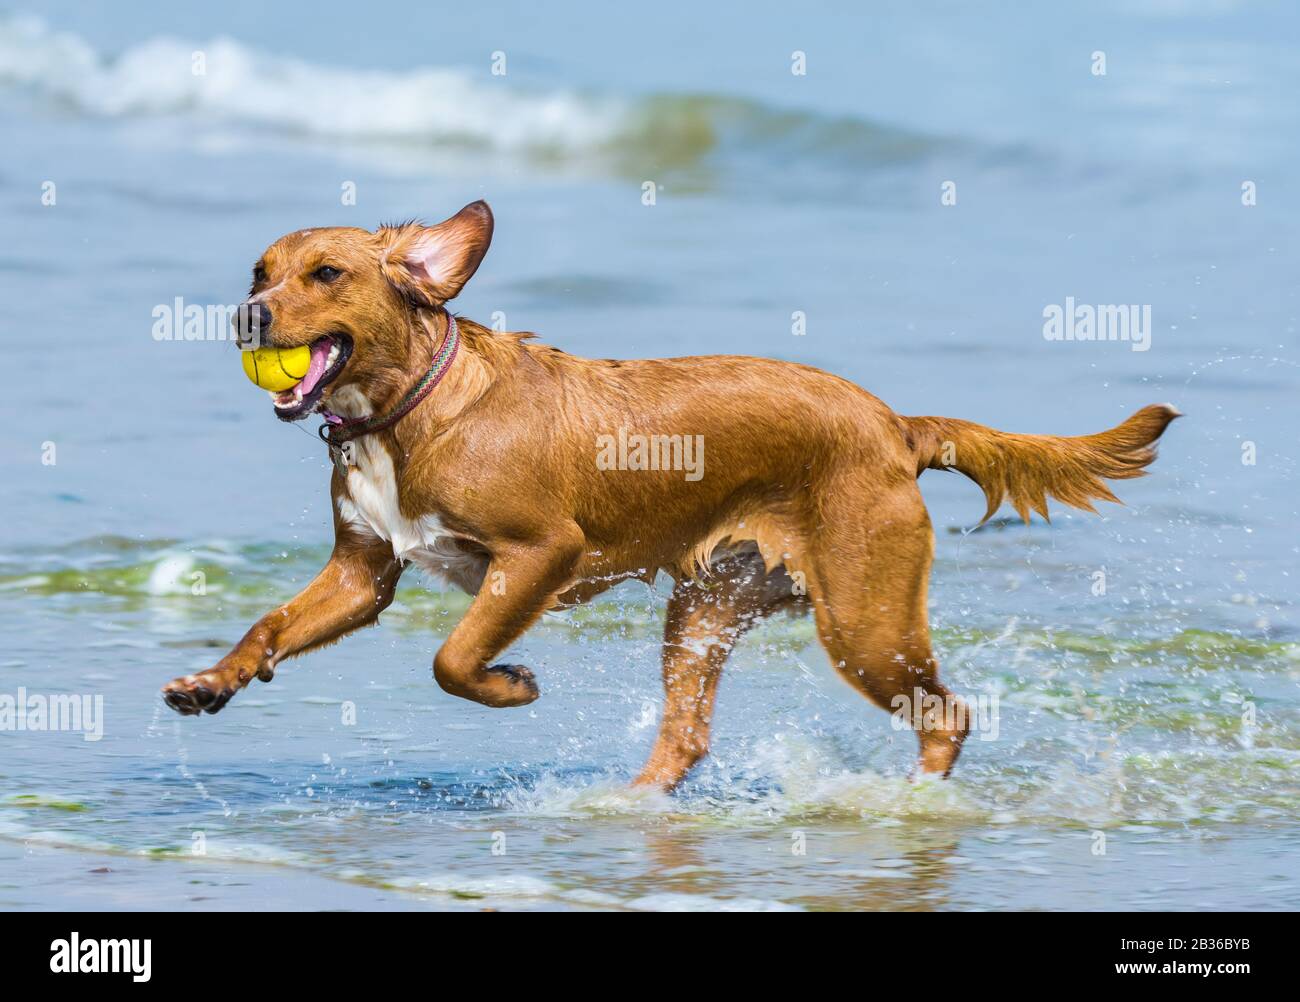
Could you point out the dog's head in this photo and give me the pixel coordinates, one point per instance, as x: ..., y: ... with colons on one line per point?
x: 352, y: 296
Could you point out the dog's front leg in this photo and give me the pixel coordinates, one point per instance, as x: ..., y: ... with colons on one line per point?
x: 355, y: 586
x: 521, y: 583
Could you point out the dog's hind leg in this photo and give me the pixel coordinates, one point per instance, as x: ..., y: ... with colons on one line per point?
x: 871, y: 567
x: 706, y: 617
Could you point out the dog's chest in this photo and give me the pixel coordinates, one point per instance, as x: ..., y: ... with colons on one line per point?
x: 371, y: 506
x: 371, y: 502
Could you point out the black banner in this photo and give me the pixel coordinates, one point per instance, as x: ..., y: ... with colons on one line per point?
x: 333, y: 950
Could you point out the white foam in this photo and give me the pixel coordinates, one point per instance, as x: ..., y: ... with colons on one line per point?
x: 171, y: 575
x: 242, y: 85
x: 674, y: 902
x: 507, y: 885
x: 553, y: 797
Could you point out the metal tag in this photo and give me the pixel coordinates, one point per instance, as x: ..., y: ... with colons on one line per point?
x: 340, y: 460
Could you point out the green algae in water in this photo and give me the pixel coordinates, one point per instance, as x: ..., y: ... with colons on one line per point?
x: 37, y: 800
x: 258, y: 584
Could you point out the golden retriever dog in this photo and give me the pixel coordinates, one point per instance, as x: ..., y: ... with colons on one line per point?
x: 535, y: 480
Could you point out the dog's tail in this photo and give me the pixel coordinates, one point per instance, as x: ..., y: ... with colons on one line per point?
x: 1027, y: 468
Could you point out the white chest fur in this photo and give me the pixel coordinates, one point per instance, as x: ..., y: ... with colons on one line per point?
x: 370, y: 506
x: 371, y: 502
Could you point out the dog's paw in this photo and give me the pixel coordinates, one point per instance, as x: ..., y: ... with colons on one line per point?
x: 522, y: 686
x: 206, y: 692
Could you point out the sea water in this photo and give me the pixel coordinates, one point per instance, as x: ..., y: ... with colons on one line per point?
x: 905, y: 213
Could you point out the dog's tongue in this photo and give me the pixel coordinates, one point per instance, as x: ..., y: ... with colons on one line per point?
x: 319, y: 353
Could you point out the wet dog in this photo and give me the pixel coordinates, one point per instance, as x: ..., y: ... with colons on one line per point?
x: 534, y: 479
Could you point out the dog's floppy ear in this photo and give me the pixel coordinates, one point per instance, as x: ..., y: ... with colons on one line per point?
x: 431, y: 264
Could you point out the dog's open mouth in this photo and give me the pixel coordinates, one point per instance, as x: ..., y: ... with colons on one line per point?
x: 328, y: 357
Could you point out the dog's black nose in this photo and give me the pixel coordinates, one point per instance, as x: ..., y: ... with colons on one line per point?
x: 252, y: 323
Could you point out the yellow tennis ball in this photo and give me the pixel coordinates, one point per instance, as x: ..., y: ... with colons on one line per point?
x: 276, y: 369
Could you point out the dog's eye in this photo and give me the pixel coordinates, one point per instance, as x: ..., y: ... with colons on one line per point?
x: 326, y: 274
x: 259, y: 274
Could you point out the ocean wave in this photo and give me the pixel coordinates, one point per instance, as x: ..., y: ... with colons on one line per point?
x: 242, y: 85
x: 450, y: 108
x: 425, y: 835
x: 154, y: 574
